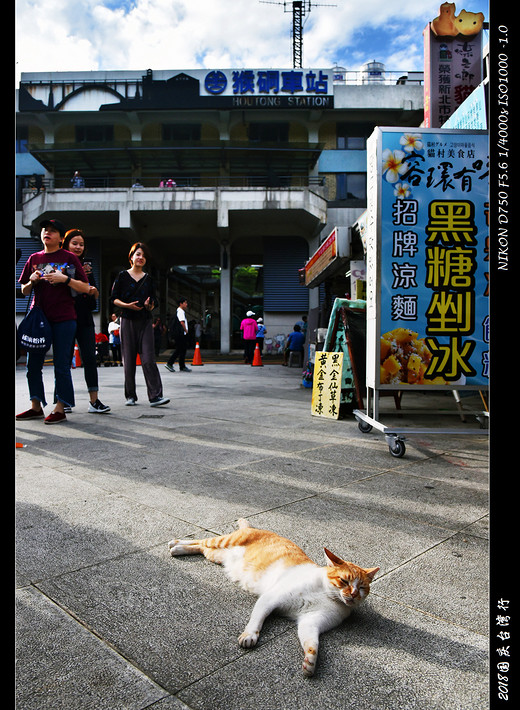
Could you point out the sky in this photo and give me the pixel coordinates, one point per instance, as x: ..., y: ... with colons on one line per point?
x: 104, y: 35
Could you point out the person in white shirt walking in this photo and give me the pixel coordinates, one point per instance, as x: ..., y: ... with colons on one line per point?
x: 179, y: 333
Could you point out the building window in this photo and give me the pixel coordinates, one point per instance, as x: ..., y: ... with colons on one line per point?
x: 94, y: 134
x: 350, y: 137
x: 352, y: 143
x: 22, y: 139
x: 351, y: 186
x: 181, y: 132
x: 356, y: 143
x: 269, y: 132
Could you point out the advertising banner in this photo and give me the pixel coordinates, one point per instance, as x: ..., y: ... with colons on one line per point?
x: 427, y: 260
x: 332, y: 253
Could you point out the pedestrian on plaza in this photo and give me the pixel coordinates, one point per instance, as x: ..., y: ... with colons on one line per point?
x: 85, y: 303
x: 179, y: 333
x: 133, y: 292
x: 249, y: 329
x: 51, y: 275
x: 295, y: 343
x: 260, y: 333
x: 114, y: 339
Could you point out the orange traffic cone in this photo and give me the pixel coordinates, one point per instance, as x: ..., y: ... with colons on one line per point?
x: 76, y: 362
x: 197, y: 359
x: 138, y: 360
x: 257, y: 358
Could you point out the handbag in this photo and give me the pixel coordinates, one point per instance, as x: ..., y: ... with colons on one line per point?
x: 34, y: 332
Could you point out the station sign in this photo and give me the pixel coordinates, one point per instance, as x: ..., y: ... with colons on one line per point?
x: 271, y: 88
x: 224, y: 89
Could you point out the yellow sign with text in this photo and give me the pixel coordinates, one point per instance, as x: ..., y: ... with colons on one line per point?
x: 326, y: 385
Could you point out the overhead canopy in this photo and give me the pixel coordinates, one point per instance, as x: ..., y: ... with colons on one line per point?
x: 186, y: 158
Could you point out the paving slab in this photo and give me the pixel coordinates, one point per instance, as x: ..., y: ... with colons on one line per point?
x: 63, y: 665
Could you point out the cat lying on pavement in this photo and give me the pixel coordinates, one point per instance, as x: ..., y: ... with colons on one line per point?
x: 285, y: 580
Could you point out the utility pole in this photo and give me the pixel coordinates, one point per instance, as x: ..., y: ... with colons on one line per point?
x: 299, y: 9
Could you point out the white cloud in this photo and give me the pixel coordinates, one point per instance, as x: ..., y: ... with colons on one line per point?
x: 61, y: 35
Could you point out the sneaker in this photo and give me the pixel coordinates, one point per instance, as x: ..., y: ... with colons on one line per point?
x: 98, y: 407
x: 30, y: 414
x: 130, y: 402
x: 185, y: 369
x: 55, y: 418
x: 169, y: 367
x: 158, y: 401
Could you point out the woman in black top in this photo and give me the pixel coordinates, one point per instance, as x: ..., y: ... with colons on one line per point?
x: 85, y: 303
x: 133, y: 292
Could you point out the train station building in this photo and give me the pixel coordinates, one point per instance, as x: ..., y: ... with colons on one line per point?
x: 232, y: 177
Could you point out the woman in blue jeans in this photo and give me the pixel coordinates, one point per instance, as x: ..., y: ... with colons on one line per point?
x: 85, y: 332
x: 50, y: 275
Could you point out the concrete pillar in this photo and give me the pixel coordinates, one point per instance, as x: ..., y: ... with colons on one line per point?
x: 226, y: 273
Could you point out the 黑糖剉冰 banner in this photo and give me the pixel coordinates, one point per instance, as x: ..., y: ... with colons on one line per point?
x: 430, y: 258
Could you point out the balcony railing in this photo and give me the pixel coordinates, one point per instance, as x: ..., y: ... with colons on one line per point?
x: 32, y: 185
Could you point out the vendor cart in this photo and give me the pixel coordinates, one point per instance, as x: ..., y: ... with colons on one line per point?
x: 427, y: 308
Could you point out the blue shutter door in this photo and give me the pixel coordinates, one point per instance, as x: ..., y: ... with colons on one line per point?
x: 283, y: 257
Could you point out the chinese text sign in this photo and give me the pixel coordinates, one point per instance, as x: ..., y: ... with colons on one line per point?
x: 434, y: 297
x: 326, y: 387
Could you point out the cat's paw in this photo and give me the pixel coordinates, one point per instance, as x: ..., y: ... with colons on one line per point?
x: 174, y: 547
x: 309, y: 662
x: 248, y: 639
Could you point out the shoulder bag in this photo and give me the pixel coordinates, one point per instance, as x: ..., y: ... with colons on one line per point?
x: 34, y: 332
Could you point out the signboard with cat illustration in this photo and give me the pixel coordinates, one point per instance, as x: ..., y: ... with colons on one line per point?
x: 452, y: 62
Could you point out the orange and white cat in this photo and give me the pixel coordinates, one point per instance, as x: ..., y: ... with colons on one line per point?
x: 285, y: 580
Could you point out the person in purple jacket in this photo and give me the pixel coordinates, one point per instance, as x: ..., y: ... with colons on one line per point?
x: 50, y: 275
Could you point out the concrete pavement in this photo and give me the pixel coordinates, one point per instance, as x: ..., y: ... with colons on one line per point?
x: 107, y: 620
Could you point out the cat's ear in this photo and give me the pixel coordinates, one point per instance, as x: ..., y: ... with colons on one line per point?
x: 371, y: 572
x: 336, y: 561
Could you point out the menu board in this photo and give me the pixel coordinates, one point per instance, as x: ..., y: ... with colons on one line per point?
x: 326, y: 385
x: 427, y: 259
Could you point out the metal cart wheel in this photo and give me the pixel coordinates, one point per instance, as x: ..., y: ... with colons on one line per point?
x: 397, y: 448
x: 365, y: 427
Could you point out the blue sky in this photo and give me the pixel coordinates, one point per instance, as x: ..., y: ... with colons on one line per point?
x: 62, y: 35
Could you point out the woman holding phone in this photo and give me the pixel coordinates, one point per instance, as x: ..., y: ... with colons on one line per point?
x: 133, y: 292
x: 50, y: 277
x: 85, y: 332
